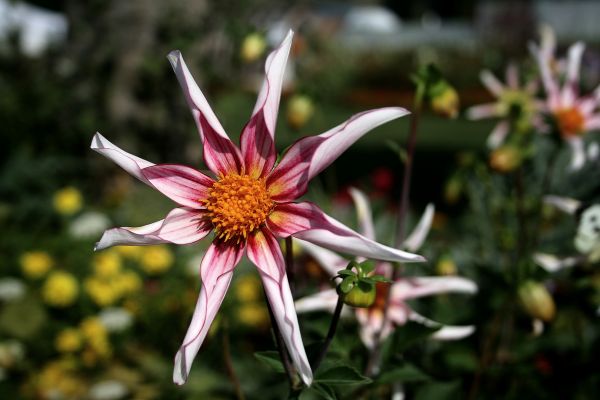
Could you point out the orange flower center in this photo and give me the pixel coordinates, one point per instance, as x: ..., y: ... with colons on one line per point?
x: 570, y: 121
x: 237, y: 205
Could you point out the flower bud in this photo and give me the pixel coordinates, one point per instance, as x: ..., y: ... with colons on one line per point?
x: 506, y: 159
x: 300, y: 109
x: 444, y: 100
x: 362, y: 294
x: 537, y: 301
x: 253, y: 47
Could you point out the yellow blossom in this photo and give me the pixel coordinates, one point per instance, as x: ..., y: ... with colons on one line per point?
x: 446, y: 266
x: 127, y: 282
x: 131, y: 252
x: 253, y: 47
x: 67, y: 201
x: 253, y: 314
x: 299, y: 110
x: 60, y: 289
x: 156, y: 259
x: 107, y: 264
x: 68, y: 340
x: 101, y: 291
x: 248, y: 288
x: 58, y: 379
x: 36, y: 264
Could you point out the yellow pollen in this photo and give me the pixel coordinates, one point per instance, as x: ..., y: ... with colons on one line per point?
x: 570, y: 121
x: 237, y: 205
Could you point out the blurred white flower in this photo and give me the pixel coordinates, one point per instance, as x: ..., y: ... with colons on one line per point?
x: 11, y: 289
x: 115, y: 319
x: 108, y: 390
x: 89, y: 224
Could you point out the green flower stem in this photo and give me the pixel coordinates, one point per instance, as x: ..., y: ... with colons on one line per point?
x: 289, y: 264
x: 330, y: 334
x: 229, y: 364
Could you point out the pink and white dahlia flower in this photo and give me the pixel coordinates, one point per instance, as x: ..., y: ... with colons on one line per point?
x: 247, y: 200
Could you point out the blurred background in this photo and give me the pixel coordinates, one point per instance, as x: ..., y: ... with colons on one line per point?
x: 78, y: 324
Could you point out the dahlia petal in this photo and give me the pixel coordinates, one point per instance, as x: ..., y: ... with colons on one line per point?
x: 574, y: 64
x: 327, y: 259
x: 220, y: 154
x: 310, y: 155
x: 492, y: 83
x: 483, y: 111
x: 265, y: 253
x: 552, y: 263
x: 498, y: 134
x: 446, y: 332
x: 308, y: 222
x: 577, y: 153
x: 417, y: 237
x: 565, y: 204
x: 324, y: 300
x: 180, y: 226
x: 412, y: 288
x: 127, y: 161
x: 258, y: 137
x: 512, y: 76
x: 593, y: 123
x: 180, y: 183
x: 216, y: 271
x: 364, y: 213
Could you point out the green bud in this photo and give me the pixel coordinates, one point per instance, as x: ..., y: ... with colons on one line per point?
x: 360, y: 295
x: 537, y: 301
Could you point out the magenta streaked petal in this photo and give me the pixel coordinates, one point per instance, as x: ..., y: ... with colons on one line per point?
x: 412, y: 288
x: 364, y: 213
x: 308, y: 222
x: 128, y: 162
x: 311, y: 155
x: 180, y: 183
x: 181, y: 226
x: 257, y: 141
x: 417, y: 237
x: 265, y: 253
x: 593, y: 123
x: 216, y: 271
x: 220, y: 154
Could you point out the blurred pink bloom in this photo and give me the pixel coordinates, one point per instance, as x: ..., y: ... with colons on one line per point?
x: 574, y: 115
x: 400, y: 312
x: 514, y: 104
x: 247, y: 202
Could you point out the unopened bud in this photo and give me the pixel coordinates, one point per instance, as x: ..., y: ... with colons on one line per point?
x: 537, y: 301
x: 444, y: 100
x: 506, y: 159
x: 300, y: 109
x: 253, y: 47
x: 362, y: 294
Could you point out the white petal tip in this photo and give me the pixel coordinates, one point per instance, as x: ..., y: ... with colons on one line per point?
x: 180, y: 373
x: 173, y: 58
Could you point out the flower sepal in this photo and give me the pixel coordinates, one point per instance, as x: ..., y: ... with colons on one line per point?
x: 358, y: 288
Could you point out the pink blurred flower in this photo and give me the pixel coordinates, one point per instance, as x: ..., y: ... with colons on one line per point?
x: 400, y: 312
x: 247, y: 203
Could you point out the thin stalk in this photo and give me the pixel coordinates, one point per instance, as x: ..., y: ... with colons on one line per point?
x: 229, y: 364
x: 289, y: 264
x: 330, y: 334
x: 375, y: 356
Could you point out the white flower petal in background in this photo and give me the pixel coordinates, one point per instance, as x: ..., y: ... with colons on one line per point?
x: 115, y: 319
x: 11, y: 289
x: 552, y: 263
x: 564, y: 204
x: 89, y: 224
x: 108, y: 390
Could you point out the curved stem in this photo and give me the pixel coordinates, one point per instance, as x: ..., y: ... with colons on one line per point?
x: 330, y: 334
x: 229, y: 364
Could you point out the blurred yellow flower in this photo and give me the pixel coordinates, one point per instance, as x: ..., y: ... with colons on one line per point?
x: 506, y: 158
x: 248, y: 288
x: 156, y: 259
x: 445, y: 102
x: 131, y: 252
x: 59, y: 380
x: 253, y: 314
x: 300, y: 109
x: 67, y: 201
x: 36, y: 264
x: 446, y: 266
x: 101, y: 291
x: 253, y: 47
x: 68, y: 340
x: 60, y: 289
x: 128, y: 282
x: 107, y: 264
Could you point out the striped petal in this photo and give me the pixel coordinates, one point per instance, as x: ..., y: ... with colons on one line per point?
x: 220, y: 154
x: 417, y: 237
x: 311, y: 155
x: 258, y: 137
x: 181, y: 226
x: 308, y: 222
x: 265, y: 253
x: 128, y: 162
x: 216, y: 271
x: 364, y: 213
x: 180, y: 183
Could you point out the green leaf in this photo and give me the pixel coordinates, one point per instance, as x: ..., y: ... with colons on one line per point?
x: 347, y: 284
x: 367, y: 266
x: 271, y: 359
x: 409, y: 334
x: 380, y: 278
x: 438, y: 391
x: 323, y: 391
x: 403, y: 374
x: 341, y: 375
x: 345, y: 272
